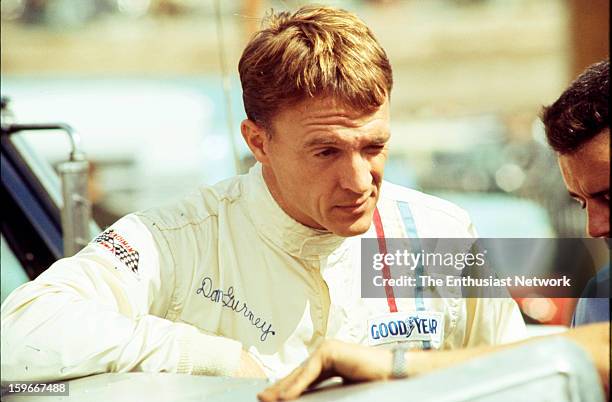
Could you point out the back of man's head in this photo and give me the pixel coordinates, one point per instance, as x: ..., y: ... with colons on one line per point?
x: 316, y: 51
x: 581, y: 112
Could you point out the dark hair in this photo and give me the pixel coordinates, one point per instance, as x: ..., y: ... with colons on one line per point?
x: 581, y: 112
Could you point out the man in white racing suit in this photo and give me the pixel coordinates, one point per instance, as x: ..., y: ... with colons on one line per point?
x: 247, y: 277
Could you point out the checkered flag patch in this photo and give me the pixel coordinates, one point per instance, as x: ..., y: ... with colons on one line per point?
x: 116, y: 244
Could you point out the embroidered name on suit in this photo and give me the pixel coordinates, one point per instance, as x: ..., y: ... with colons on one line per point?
x: 228, y: 300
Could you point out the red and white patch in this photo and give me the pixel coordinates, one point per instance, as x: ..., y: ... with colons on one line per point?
x: 116, y: 244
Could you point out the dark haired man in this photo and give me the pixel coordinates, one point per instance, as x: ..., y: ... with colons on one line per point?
x: 578, y: 129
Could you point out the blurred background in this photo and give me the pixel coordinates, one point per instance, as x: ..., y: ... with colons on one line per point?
x: 153, y: 88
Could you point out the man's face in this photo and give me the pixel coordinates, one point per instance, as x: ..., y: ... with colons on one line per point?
x: 325, y: 163
x: 586, y: 173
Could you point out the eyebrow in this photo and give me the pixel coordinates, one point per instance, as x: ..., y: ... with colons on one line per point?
x: 379, y: 139
x: 590, y: 195
x: 321, y: 141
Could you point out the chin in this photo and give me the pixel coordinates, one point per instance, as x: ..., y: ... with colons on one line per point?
x: 355, y: 228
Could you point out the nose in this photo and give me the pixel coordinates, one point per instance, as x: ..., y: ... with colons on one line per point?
x: 598, y: 219
x: 355, y: 174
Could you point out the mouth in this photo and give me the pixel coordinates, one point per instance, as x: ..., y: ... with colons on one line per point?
x: 354, y: 208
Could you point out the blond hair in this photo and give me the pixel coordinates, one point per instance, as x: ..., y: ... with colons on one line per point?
x: 316, y: 51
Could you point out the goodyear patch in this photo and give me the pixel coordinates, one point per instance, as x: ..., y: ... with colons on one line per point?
x: 406, y: 327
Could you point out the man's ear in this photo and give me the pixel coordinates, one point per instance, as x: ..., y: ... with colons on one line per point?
x: 256, y: 138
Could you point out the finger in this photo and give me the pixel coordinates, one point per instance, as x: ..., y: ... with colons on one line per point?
x: 268, y: 395
x: 311, y: 371
x: 273, y: 392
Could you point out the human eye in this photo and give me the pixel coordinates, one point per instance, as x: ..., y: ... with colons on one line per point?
x: 603, y: 197
x: 375, y: 148
x: 326, y: 153
x: 580, y: 201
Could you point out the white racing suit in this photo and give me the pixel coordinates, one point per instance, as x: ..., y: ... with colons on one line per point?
x: 184, y: 289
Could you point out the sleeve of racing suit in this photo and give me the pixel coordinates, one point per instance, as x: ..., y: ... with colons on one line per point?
x: 103, y: 310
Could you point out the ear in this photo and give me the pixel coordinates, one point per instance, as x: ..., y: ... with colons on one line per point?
x: 256, y: 138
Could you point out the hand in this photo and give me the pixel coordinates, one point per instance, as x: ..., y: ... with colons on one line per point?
x: 249, y: 368
x: 352, y: 362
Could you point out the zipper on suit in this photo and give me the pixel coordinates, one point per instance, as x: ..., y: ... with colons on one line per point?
x: 324, y: 298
